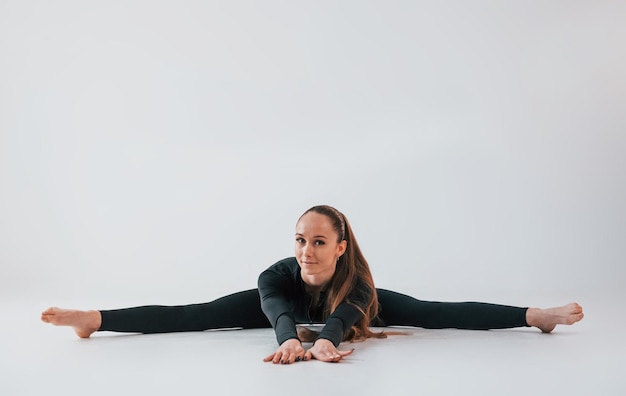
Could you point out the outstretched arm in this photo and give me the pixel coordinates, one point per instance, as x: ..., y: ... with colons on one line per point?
x: 277, y: 295
x: 274, y: 290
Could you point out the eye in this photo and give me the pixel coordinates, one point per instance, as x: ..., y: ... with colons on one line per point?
x: 319, y: 242
x: 300, y: 240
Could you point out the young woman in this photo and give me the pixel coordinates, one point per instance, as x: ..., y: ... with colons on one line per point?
x: 328, y: 281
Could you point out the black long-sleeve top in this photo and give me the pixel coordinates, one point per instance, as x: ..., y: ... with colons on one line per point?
x: 285, y: 302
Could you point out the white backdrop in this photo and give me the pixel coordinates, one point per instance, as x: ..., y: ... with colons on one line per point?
x: 161, y: 152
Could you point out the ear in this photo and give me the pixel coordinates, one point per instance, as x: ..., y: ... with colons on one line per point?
x: 341, y: 248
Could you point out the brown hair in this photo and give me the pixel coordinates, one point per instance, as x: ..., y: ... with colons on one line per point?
x: 352, y: 268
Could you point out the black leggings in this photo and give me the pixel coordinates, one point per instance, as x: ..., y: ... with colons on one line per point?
x: 243, y: 310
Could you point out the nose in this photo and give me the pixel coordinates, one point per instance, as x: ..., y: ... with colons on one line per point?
x: 307, y: 250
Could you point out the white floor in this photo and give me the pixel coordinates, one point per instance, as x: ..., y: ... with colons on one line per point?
x: 585, y: 359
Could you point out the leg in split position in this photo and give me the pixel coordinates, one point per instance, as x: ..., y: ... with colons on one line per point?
x: 241, y: 309
x: 402, y: 310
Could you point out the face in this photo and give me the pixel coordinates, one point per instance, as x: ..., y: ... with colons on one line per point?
x: 317, y: 248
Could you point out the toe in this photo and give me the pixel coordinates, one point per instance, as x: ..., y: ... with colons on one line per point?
x: 574, y: 318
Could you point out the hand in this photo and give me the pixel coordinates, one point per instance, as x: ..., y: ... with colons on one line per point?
x: 288, y: 352
x: 325, y: 351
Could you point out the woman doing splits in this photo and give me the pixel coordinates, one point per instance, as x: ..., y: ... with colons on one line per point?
x: 328, y: 281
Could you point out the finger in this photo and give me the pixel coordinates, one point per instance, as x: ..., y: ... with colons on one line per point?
x: 346, y: 353
x: 330, y: 358
x: 277, y: 357
x: 297, y: 357
x: 338, y: 355
x: 285, y: 358
x: 270, y: 357
x: 292, y: 358
x: 308, y: 355
x: 324, y: 355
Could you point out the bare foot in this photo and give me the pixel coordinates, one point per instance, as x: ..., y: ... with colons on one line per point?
x: 84, y: 323
x: 547, y: 319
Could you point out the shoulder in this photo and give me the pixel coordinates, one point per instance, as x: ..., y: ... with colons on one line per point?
x: 286, y: 268
x: 283, y: 275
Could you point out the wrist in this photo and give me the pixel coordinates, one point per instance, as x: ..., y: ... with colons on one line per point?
x: 322, y: 339
x: 292, y: 340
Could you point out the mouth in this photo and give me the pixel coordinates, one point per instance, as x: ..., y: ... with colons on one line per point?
x: 308, y: 262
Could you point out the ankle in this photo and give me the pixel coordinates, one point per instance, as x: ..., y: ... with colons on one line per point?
x: 94, y: 319
x: 532, y: 317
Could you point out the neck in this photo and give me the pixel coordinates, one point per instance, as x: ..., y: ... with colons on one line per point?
x: 316, y: 283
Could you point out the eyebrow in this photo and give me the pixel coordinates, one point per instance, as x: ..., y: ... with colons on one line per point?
x: 316, y: 236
